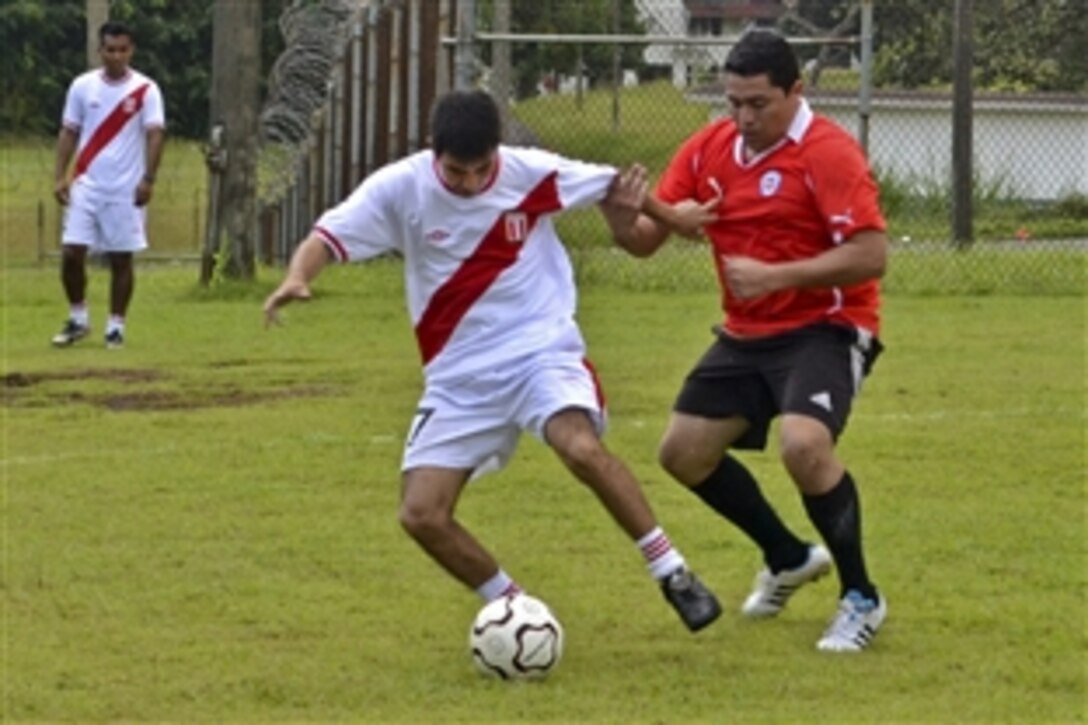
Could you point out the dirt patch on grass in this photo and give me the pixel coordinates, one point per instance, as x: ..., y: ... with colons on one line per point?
x: 19, y: 389
x: 120, y: 375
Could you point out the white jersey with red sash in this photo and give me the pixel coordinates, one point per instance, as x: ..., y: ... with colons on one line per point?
x: 112, y: 118
x: 487, y: 279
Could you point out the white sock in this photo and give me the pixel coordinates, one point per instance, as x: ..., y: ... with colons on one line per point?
x: 661, y: 558
x: 116, y: 322
x: 78, y: 313
x: 500, y: 585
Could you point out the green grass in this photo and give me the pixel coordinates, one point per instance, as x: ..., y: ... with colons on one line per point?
x: 203, y: 525
x: 30, y: 218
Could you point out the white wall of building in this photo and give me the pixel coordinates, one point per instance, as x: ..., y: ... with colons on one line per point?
x: 1030, y: 148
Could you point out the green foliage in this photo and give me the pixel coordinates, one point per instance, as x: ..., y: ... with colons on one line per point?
x: 531, y: 63
x: 202, y: 527
x: 1018, y: 46
x: 44, y: 49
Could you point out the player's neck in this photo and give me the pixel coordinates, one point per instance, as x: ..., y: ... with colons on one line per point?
x: 115, y: 74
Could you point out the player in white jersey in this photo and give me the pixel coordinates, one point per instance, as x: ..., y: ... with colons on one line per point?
x: 490, y: 293
x: 113, y: 124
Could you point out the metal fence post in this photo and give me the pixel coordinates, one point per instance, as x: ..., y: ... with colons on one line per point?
x: 465, y: 59
x: 865, y: 92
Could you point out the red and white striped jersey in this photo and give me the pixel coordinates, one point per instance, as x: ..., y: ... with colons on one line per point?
x: 112, y: 118
x: 486, y: 278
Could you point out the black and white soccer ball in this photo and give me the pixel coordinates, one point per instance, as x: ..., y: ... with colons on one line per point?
x: 516, y: 638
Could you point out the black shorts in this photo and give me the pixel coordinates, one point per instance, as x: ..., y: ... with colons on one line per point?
x: 815, y: 371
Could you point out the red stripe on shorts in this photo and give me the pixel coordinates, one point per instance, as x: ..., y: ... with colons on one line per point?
x: 126, y: 108
x: 597, y: 387
x: 452, y: 301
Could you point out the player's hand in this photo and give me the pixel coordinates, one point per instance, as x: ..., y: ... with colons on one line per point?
x: 143, y: 192
x: 692, y: 217
x: 60, y: 192
x: 623, y: 204
x: 629, y: 189
x: 287, y: 293
x: 748, y: 278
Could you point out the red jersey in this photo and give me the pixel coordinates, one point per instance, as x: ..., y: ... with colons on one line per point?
x: 806, y: 194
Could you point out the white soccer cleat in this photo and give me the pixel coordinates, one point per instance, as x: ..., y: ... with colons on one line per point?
x: 855, y: 624
x: 771, y: 592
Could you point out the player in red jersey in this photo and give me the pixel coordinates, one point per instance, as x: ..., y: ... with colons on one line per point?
x: 491, y: 297
x: 799, y: 247
x: 113, y: 117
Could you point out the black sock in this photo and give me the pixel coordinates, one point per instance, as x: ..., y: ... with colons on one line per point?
x: 837, y: 516
x: 733, y: 492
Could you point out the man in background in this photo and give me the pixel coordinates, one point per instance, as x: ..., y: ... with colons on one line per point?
x: 113, y: 117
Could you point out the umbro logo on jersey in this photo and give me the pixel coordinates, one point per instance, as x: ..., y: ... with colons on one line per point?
x: 436, y: 235
x: 517, y: 226
x: 823, y: 400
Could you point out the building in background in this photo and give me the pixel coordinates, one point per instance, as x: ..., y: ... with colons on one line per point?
x: 700, y: 19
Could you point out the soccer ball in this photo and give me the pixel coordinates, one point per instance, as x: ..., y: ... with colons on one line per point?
x: 516, y: 638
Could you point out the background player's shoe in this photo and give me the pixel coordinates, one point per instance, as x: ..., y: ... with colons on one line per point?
x: 70, y: 333
x: 771, y: 592
x: 695, y: 604
x: 115, y: 340
x: 855, y: 624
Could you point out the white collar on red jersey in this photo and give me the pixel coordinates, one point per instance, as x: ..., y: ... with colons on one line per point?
x: 801, y: 121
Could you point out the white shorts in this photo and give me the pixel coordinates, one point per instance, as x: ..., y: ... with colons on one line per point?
x: 475, y: 423
x: 105, y: 225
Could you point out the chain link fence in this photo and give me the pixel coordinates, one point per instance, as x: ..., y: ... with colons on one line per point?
x: 634, y: 96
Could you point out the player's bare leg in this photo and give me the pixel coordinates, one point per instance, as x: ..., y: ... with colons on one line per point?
x: 428, y: 499
x: 572, y: 436
x: 73, y: 272
x: 73, y: 277
x: 122, y: 282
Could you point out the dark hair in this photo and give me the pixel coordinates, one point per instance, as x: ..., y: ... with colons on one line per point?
x: 761, y: 50
x: 466, y: 125
x: 113, y: 28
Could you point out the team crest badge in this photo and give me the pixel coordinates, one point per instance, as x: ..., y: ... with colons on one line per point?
x: 517, y: 226
x: 769, y: 183
x: 129, y: 105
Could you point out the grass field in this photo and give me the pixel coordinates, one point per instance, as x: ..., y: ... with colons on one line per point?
x: 201, y: 527
x: 30, y: 218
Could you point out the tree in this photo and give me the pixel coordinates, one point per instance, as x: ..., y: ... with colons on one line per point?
x: 43, y: 49
x: 824, y: 18
x: 43, y: 44
x: 532, y: 62
x: 230, y: 246
x: 1019, y: 44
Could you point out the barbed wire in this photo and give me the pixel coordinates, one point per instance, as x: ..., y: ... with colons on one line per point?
x: 314, y: 35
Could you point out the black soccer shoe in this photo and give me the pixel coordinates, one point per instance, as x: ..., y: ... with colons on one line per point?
x: 71, y: 333
x: 695, y: 604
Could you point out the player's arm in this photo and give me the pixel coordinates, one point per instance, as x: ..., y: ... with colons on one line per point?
x: 306, y: 263
x: 640, y: 223
x: 155, y: 138
x: 67, y: 139
x: 861, y: 257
